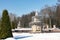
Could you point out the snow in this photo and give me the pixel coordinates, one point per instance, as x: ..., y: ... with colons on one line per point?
x: 35, y: 36
x: 10, y: 39
x: 23, y: 29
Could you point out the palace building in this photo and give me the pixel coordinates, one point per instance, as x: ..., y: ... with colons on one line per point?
x: 36, y: 23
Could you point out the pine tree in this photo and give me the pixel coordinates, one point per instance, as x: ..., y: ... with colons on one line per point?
x: 5, y: 30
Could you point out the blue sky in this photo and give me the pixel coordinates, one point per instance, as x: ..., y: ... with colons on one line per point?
x: 20, y: 7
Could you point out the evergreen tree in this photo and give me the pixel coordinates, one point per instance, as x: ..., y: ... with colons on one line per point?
x: 5, y: 30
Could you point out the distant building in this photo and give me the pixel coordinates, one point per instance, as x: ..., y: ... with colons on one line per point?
x: 36, y: 23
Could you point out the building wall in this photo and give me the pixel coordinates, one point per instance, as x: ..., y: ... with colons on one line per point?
x: 33, y: 28
x: 36, y: 28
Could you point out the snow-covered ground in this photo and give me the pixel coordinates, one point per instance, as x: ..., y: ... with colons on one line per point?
x: 36, y: 36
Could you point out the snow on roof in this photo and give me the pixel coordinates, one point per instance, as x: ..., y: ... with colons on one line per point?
x: 24, y: 29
